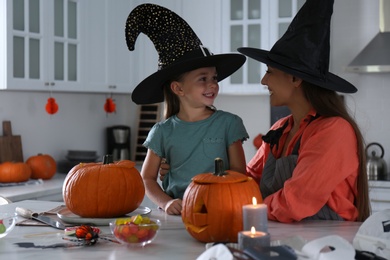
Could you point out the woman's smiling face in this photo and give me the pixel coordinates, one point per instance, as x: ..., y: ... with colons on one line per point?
x: 280, y: 86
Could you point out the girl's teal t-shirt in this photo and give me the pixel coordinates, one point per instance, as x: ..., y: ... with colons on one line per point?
x: 190, y: 148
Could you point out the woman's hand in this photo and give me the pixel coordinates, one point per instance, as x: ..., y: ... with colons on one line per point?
x: 173, y: 207
x: 164, y: 169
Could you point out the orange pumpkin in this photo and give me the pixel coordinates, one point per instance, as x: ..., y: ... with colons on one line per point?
x: 43, y: 166
x: 212, y: 204
x: 14, y: 172
x: 103, y: 190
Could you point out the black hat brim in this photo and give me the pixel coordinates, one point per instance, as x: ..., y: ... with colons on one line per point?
x: 330, y: 81
x: 150, y: 90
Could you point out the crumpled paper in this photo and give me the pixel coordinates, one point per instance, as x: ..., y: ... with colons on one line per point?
x: 217, y: 252
x: 331, y: 247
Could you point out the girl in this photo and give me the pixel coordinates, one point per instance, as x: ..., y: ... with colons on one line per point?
x: 194, y: 132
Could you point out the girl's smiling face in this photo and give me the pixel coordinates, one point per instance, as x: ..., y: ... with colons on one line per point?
x: 198, y: 87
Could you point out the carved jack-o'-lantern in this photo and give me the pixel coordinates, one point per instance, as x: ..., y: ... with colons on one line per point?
x: 212, y: 204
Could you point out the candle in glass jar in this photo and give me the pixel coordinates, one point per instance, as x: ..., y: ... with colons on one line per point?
x: 247, y: 239
x: 255, y: 215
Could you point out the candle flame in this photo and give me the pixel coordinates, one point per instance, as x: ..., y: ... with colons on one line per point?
x: 254, y: 201
x: 253, y: 230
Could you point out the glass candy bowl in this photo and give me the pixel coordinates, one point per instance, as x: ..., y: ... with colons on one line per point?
x: 7, y: 223
x: 135, y: 231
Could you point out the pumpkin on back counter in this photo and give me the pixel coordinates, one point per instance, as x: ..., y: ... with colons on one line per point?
x: 104, y: 189
x: 212, y: 204
x: 43, y: 166
x: 14, y: 172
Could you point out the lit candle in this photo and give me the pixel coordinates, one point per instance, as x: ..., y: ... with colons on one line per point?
x: 255, y: 215
x: 247, y: 239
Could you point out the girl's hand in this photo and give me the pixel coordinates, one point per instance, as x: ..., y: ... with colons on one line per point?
x: 173, y: 207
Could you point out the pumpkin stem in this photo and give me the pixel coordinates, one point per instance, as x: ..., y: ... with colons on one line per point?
x: 219, y: 171
x: 107, y: 159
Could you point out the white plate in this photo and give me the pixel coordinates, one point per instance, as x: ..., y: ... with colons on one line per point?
x: 67, y: 216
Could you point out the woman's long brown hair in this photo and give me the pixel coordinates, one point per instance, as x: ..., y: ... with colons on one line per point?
x: 328, y: 103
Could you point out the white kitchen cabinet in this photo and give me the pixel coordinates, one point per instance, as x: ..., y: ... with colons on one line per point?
x: 257, y: 24
x: 379, y: 195
x: 42, y: 50
x: 108, y: 62
x: 110, y: 66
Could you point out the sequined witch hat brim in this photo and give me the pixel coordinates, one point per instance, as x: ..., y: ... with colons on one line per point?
x: 304, y: 49
x: 178, y: 48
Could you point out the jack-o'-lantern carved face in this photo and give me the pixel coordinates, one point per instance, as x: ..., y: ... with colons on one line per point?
x: 212, y: 205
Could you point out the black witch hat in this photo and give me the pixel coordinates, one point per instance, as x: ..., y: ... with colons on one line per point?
x: 178, y: 47
x: 304, y: 49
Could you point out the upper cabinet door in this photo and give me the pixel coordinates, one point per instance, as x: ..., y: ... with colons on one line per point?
x: 43, y: 45
x: 109, y: 66
x: 256, y: 24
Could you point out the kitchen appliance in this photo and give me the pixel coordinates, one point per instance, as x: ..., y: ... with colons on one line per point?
x: 376, y: 166
x: 375, y: 57
x: 118, y: 142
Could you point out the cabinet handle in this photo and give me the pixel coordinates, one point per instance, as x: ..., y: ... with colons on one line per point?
x: 47, y: 83
x: 112, y: 86
x: 52, y: 84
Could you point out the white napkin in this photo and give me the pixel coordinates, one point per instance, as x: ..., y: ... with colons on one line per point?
x: 342, y: 249
x: 217, y: 252
x: 374, y: 234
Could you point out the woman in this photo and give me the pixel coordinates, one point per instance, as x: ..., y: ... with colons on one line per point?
x: 311, y: 164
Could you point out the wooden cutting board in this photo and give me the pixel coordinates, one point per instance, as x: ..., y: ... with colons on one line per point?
x: 10, y: 146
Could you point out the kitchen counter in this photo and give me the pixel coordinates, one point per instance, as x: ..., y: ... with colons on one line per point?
x: 379, y: 195
x: 47, y: 190
x: 172, y: 242
x: 51, y: 190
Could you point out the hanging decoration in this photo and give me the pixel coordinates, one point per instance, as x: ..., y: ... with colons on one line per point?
x: 110, y: 106
x: 51, y: 106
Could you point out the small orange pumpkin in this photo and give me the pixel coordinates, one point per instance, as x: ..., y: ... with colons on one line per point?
x: 43, y: 166
x: 103, y: 190
x: 14, y: 172
x: 212, y: 204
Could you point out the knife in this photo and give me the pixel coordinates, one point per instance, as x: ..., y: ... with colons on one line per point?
x: 26, y: 213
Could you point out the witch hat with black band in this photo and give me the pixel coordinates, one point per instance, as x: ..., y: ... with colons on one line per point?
x: 304, y: 49
x: 178, y: 47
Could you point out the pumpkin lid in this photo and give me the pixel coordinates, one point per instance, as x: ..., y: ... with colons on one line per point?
x: 220, y: 175
x: 229, y: 177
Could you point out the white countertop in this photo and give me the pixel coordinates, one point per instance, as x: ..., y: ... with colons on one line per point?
x: 379, y: 184
x: 172, y: 242
x: 51, y: 187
